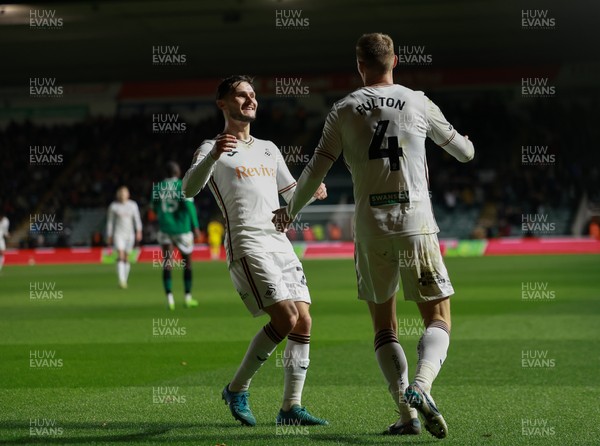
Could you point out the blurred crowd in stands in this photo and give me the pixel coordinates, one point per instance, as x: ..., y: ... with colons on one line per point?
x: 100, y: 154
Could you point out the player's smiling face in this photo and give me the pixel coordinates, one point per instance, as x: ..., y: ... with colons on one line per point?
x: 241, y: 103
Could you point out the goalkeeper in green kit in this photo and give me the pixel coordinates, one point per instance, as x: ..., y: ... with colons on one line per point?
x: 177, y: 219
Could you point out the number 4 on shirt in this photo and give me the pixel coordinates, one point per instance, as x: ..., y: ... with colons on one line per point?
x: 393, y: 151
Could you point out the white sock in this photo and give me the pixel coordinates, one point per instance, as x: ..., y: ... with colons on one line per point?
x: 296, y: 361
x: 121, y: 271
x: 126, y: 272
x: 170, y: 299
x: 432, y: 350
x: 188, y: 297
x: 261, y: 347
x: 393, y: 365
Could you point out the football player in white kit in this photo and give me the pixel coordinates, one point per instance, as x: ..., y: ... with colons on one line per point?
x: 4, y: 224
x: 381, y: 130
x: 246, y: 176
x: 123, y: 228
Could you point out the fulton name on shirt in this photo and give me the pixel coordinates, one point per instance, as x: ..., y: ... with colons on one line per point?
x: 378, y: 102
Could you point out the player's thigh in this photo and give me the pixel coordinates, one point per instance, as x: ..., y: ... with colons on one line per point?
x: 258, y: 280
x: 424, y: 275
x: 377, y: 274
x: 293, y: 276
x: 184, y: 242
x: 123, y: 243
x: 166, y: 243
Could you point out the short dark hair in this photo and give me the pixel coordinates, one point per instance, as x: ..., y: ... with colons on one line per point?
x: 228, y: 84
x: 172, y: 169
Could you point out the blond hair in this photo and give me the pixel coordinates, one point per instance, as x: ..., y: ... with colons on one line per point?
x: 376, y: 52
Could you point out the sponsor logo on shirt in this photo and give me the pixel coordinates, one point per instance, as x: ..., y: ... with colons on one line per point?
x: 261, y: 171
x: 388, y: 198
x: 398, y: 197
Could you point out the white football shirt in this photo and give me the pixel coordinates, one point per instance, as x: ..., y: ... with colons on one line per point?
x: 246, y: 183
x: 381, y: 132
x: 123, y: 219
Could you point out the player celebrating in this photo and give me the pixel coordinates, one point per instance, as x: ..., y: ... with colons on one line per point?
x: 381, y: 129
x: 246, y: 176
x: 124, y: 228
x: 176, y: 218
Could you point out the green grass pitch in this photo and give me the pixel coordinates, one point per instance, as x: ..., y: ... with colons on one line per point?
x: 105, y: 377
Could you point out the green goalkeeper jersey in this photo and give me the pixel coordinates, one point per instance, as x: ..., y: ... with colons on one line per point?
x: 176, y: 214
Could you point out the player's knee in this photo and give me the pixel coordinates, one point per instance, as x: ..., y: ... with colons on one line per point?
x: 304, y: 323
x: 288, y: 318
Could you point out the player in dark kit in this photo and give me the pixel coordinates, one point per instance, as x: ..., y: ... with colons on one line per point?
x: 177, y: 219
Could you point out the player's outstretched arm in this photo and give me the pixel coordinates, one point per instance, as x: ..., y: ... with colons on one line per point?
x: 446, y: 136
x: 204, y: 161
x: 311, y: 179
x: 309, y: 188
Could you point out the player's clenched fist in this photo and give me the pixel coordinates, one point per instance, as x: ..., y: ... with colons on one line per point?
x: 223, y: 143
x: 321, y: 192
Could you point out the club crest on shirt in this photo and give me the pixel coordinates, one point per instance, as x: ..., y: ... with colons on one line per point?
x: 271, y: 290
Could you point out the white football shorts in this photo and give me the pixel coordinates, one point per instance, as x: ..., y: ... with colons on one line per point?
x: 123, y: 242
x: 265, y: 278
x: 184, y: 242
x: 417, y: 260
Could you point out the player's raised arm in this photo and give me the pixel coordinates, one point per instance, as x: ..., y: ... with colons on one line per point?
x: 446, y: 136
x: 203, y: 163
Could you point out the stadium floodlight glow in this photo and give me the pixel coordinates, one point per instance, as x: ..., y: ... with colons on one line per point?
x: 15, y: 14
